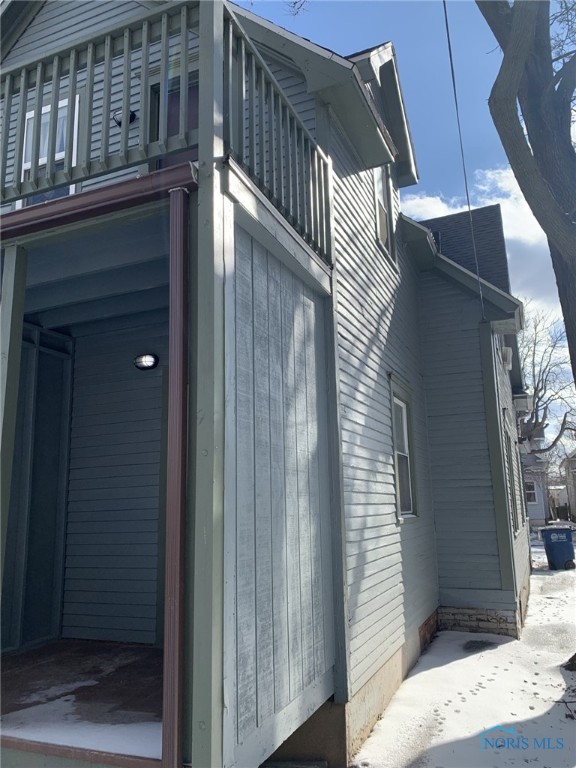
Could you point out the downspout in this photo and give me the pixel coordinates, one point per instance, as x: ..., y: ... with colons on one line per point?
x: 176, y: 459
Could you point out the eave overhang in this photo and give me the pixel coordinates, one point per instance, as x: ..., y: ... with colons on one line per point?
x: 378, y: 66
x: 335, y: 79
x: 14, y: 18
x: 504, y: 312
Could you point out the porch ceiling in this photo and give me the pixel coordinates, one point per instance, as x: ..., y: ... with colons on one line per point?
x: 99, y: 271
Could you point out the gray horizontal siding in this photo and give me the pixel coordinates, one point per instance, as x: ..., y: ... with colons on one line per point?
x: 112, y: 555
x: 459, y: 458
x: 62, y: 23
x: 295, y: 89
x: 390, y: 567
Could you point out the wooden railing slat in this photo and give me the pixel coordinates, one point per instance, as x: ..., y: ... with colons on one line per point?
x: 5, y: 133
x: 69, y: 159
x: 126, y: 78
x: 183, y: 112
x: 228, y: 84
x: 88, y: 108
x: 144, y: 121
x: 36, y: 122
x: 241, y: 74
x: 53, y: 119
x: 20, y: 127
x: 106, y: 115
x: 163, y: 105
x: 262, y: 128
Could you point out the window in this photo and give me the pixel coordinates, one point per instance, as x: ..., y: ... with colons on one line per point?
x: 173, y: 118
x: 383, y: 220
x: 59, y: 150
x: 402, y: 456
x: 513, y: 501
x: 530, y: 489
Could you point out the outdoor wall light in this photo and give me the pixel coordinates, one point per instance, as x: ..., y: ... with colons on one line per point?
x: 117, y: 117
x: 146, y: 362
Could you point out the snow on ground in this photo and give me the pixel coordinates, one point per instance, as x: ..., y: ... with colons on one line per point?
x: 57, y: 722
x: 516, y: 687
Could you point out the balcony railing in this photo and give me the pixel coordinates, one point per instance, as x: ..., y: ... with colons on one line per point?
x: 130, y: 98
x: 266, y: 136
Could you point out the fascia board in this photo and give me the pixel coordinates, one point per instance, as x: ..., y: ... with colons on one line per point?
x: 380, y: 64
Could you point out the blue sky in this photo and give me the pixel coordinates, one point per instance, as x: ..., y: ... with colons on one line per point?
x: 417, y: 29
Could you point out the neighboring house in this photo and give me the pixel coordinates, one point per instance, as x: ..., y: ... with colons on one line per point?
x: 251, y: 413
x: 568, y: 468
x: 536, y: 489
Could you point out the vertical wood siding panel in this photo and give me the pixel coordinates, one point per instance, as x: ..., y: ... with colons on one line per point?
x: 291, y: 480
x: 284, y: 589
x: 316, y: 564
x: 245, y: 545
x: 304, y: 460
x: 278, y: 492
x: 264, y: 629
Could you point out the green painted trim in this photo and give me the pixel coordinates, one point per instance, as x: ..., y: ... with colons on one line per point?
x: 206, y: 426
x: 496, y: 451
x: 11, y: 326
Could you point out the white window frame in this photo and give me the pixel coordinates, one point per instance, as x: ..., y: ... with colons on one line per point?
x: 42, y: 161
x: 532, y: 491
x: 382, y: 205
x: 404, y: 439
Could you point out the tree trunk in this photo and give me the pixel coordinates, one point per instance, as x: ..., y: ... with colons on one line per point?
x: 565, y: 272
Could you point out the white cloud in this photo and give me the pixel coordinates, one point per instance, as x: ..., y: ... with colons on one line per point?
x: 531, y: 273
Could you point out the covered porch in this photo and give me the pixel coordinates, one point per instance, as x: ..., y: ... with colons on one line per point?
x: 92, y: 474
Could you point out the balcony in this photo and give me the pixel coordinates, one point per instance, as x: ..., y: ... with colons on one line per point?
x: 128, y: 99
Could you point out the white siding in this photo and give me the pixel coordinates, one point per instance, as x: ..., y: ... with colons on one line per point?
x: 391, y: 568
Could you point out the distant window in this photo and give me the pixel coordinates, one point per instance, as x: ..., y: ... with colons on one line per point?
x: 59, y: 150
x: 513, y: 499
x: 530, y: 489
x: 383, y: 218
x: 402, y: 457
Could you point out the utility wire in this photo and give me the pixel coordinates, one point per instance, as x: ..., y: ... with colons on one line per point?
x: 462, y: 156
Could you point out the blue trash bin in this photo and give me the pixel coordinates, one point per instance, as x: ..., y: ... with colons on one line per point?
x: 559, y: 548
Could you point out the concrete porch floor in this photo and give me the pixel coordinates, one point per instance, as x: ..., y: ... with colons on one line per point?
x: 88, y: 694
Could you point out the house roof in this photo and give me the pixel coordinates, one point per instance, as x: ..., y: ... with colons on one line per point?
x: 503, y: 310
x: 453, y: 236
